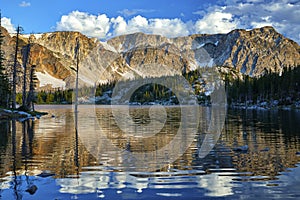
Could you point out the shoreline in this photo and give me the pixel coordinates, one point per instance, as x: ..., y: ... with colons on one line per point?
x: 265, y: 106
x: 8, y: 114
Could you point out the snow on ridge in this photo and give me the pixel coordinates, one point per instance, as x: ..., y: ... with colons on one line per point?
x: 198, y: 46
x: 206, y: 63
x: 120, y: 47
x: 193, y: 66
x: 109, y: 47
x: 37, y: 35
x: 96, y: 40
x: 102, y: 82
x: 86, y: 80
x: 211, y: 63
x: 203, y: 44
x: 47, y: 79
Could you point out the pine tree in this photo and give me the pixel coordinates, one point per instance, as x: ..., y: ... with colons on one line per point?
x: 4, y: 82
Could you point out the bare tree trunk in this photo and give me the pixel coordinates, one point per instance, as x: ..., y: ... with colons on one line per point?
x: 77, y: 72
x: 14, y: 81
x: 30, y: 97
x: 25, y: 59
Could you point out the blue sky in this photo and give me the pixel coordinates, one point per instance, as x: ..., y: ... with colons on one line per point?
x: 108, y: 18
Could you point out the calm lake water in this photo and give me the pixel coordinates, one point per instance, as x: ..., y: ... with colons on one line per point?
x: 257, y: 156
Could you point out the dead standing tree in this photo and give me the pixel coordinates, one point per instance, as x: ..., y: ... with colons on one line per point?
x: 76, y: 53
x: 26, y: 52
x: 14, y: 79
x: 32, y: 85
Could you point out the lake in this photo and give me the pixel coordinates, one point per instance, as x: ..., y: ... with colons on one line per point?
x: 102, y: 153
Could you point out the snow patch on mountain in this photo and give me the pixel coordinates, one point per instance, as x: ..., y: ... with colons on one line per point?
x: 109, y: 47
x: 37, y: 35
x: 47, y: 79
x: 206, y: 63
x: 198, y: 46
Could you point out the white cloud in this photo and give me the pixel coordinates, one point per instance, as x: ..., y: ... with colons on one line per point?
x: 90, y: 25
x: 6, y: 23
x: 137, y: 24
x: 127, y: 12
x: 199, y: 12
x: 216, y: 22
x: 119, y: 25
x: 265, y: 21
x: 166, y: 27
x: 99, y: 26
x: 283, y: 15
x: 24, y: 4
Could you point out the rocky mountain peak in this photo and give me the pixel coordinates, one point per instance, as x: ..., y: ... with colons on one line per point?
x: 65, y: 42
x: 127, y: 42
x: 251, y: 52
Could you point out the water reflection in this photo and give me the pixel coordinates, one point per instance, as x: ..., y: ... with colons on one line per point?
x: 18, y: 184
x: 51, y: 146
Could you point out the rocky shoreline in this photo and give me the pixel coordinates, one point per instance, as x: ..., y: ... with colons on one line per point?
x: 6, y: 114
x: 266, y: 105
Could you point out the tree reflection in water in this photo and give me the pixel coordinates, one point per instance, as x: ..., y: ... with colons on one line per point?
x: 16, y: 181
x: 27, y: 154
x: 273, y: 139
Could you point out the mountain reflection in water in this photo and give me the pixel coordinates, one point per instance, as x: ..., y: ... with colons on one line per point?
x: 268, y: 169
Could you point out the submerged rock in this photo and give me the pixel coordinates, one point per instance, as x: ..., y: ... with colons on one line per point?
x: 241, y: 148
x: 265, y: 149
x: 32, y: 189
x: 46, y: 174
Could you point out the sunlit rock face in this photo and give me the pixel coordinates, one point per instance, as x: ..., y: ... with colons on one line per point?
x: 253, y: 52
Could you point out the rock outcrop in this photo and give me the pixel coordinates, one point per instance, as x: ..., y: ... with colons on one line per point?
x: 251, y: 52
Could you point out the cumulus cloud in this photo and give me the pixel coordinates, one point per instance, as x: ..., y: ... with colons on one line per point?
x: 137, y: 24
x: 283, y: 15
x: 24, y: 4
x: 119, y: 25
x: 227, y: 15
x: 90, y: 25
x: 216, y: 22
x: 102, y: 27
x: 166, y: 27
x: 6, y: 23
x: 169, y: 27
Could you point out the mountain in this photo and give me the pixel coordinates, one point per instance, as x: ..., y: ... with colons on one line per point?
x: 251, y: 52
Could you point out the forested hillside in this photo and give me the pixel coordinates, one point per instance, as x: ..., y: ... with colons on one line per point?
x: 269, y: 90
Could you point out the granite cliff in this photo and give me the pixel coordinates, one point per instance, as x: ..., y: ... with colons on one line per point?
x: 251, y: 52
